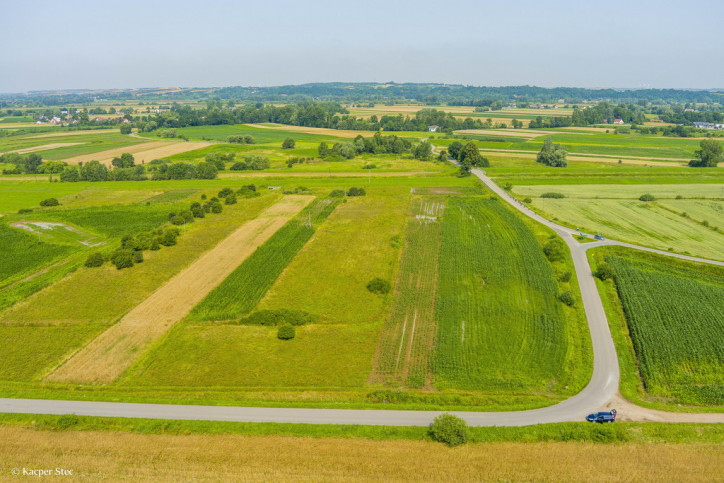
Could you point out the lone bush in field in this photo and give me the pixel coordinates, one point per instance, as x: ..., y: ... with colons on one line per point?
x: 449, y: 429
x: 604, y: 271
x: 553, y: 195
x: 356, y: 192
x: 337, y: 194
x: 94, y: 260
x: 555, y: 250
x: 49, y: 202
x: 527, y: 200
x: 122, y: 258
x: 647, y: 197
x: 288, y: 143
x: 567, y: 298
x: 286, y: 332
x: 379, y: 286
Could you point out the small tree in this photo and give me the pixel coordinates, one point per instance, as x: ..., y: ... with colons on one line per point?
x: 709, y: 156
x: 647, y: 197
x: 125, y: 129
x: 604, y: 271
x: 356, y: 192
x: 288, y: 143
x: 94, y: 260
x: 423, y: 151
x: 450, y: 430
x: 555, y: 250
x: 567, y: 298
x: 122, y: 258
x: 49, y: 202
x: 379, y: 286
x: 552, y: 154
x: 286, y: 332
x: 230, y: 199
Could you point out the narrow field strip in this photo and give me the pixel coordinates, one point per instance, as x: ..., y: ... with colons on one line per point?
x: 44, y: 147
x: 407, y: 339
x: 340, y: 133
x: 142, y: 152
x: 107, y: 356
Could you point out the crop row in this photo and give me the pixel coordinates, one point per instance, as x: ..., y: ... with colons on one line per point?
x: 500, y: 324
x: 241, y: 291
x: 408, y: 335
x: 676, y: 322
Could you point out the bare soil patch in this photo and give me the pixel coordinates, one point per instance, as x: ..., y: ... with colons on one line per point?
x: 107, y: 356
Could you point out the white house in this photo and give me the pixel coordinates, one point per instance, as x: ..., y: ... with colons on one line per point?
x: 433, y: 128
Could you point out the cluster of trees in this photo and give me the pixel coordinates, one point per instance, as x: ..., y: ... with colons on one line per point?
x: 552, y: 154
x: 28, y: 164
x: 604, y: 111
x: 377, y: 144
x: 709, y: 156
x: 124, y: 169
x: 467, y: 155
x: 546, y: 122
x: 132, y: 248
x: 251, y: 162
x: 240, y: 139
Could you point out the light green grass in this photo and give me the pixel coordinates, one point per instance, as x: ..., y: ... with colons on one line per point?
x: 607, y: 191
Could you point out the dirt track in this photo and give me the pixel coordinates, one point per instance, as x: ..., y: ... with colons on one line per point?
x: 112, y: 352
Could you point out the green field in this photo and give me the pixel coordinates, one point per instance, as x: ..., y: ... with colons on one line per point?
x: 675, y: 317
x: 501, y: 326
x: 243, y: 289
x: 23, y: 252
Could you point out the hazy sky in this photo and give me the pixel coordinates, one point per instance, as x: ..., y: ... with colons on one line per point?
x: 102, y: 44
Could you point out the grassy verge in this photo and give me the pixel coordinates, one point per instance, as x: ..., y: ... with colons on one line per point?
x: 581, y: 432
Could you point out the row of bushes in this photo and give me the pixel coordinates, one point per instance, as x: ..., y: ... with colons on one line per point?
x: 285, y: 319
x: 350, y: 192
x: 131, y: 250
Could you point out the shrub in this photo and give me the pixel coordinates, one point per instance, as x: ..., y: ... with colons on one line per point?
x: 379, y: 286
x: 203, y: 196
x: 138, y: 257
x: 396, y: 241
x: 527, y: 200
x: 94, y: 260
x: 566, y: 277
x: 225, y: 192
x: 647, y: 197
x: 553, y: 195
x: 567, y: 298
x: 356, y: 192
x: 49, y: 202
x: 168, y: 238
x: 555, y: 250
x: 24, y: 210
x: 231, y: 199
x: 449, y: 429
x: 122, y: 258
x: 178, y: 220
x: 274, y: 318
x: 198, y: 212
x: 288, y: 143
x: 216, y: 207
x: 286, y: 332
x: 604, y: 271
x: 155, y: 244
x: 337, y: 193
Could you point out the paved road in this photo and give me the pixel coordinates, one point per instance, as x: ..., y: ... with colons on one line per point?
x: 601, y: 389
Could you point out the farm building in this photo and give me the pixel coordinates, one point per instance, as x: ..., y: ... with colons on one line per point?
x: 433, y: 128
x: 618, y: 121
x: 708, y: 125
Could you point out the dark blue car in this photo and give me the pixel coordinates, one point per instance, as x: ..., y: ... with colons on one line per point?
x: 602, y: 417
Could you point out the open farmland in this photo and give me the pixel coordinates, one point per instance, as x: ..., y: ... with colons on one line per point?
x: 107, y: 356
x: 690, y: 224
x: 408, y: 337
x: 500, y: 324
x: 675, y: 317
x: 326, y: 278
x: 241, y: 291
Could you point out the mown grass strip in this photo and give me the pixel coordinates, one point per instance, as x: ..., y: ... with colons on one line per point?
x: 241, y: 291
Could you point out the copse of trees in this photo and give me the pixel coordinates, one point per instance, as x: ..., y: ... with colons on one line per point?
x: 126, y: 160
x: 423, y: 151
x: 28, y: 164
x: 709, y: 156
x: 253, y: 162
x: 552, y: 154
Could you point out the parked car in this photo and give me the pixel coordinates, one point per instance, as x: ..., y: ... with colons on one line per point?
x: 602, y: 417
x: 598, y: 237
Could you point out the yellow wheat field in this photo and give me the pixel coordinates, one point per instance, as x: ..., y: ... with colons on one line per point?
x: 128, y: 456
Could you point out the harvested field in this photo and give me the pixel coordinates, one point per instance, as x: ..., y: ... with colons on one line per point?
x: 520, y: 133
x: 601, y: 158
x: 313, y: 130
x: 116, y: 456
x: 143, y: 152
x: 107, y: 356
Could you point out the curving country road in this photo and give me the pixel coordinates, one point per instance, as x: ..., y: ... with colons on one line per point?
x: 601, y: 391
